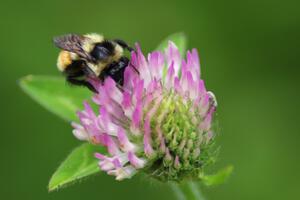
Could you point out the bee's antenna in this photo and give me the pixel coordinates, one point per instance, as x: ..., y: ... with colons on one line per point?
x: 119, y: 87
x: 135, y: 69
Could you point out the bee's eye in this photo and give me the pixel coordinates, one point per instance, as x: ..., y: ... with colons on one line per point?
x: 102, y: 51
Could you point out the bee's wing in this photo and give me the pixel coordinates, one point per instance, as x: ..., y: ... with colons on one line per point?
x: 72, y: 43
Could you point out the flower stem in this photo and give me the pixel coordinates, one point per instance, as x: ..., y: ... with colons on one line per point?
x: 187, y: 191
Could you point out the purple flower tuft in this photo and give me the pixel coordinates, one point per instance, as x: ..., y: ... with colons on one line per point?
x: 158, y: 122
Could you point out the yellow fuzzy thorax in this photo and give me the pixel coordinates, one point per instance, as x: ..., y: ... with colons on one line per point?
x: 90, y: 41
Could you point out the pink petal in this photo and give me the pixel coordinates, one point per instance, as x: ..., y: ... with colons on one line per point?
x: 177, y: 86
x: 176, y: 162
x: 206, y: 124
x: 112, y: 147
x: 125, y: 144
x: 138, y: 91
x: 88, y: 109
x: 170, y: 76
x: 79, y: 132
x: 196, y: 61
x: 173, y: 55
x: 143, y: 66
x: 156, y: 64
x: 111, y: 89
x: 137, y: 115
x: 129, y: 76
x: 147, y: 139
x: 135, y: 161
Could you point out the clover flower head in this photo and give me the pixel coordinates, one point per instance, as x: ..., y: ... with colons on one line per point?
x: 158, y: 122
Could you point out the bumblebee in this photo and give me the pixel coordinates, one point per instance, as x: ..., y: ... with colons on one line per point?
x: 91, y: 56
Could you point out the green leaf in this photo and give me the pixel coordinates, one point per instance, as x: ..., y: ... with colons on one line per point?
x: 178, y: 38
x: 79, y: 164
x: 55, y: 95
x: 216, y: 179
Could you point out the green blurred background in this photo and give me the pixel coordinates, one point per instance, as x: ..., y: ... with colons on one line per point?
x: 250, y: 58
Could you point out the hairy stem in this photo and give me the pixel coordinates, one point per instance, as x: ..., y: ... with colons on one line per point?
x: 187, y: 191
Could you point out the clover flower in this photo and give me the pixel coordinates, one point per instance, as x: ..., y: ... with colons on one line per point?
x: 158, y: 122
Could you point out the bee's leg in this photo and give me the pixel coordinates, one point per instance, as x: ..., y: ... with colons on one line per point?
x: 135, y: 69
x: 124, y: 45
x: 75, y: 81
x: 116, y: 70
x: 126, y: 61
